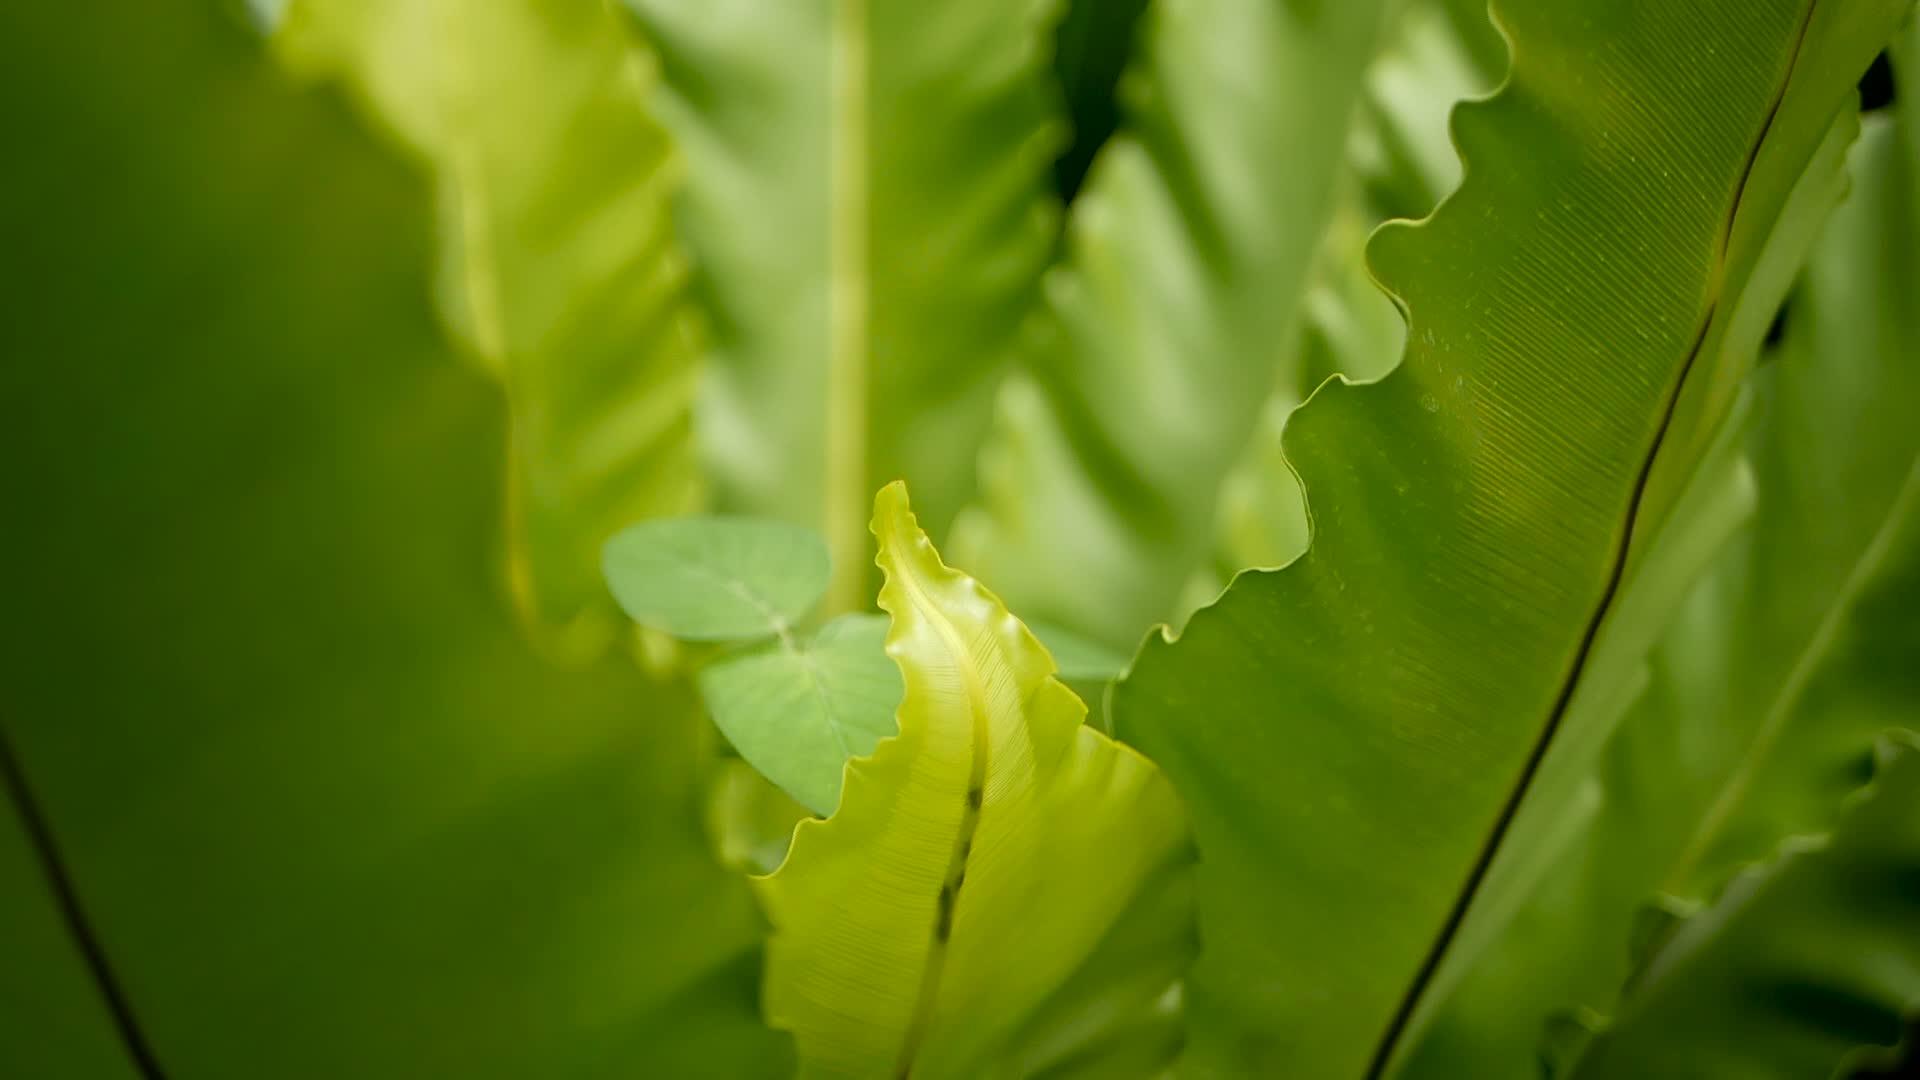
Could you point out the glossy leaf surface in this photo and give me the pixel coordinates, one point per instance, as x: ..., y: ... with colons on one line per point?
x: 55, y: 1020
x: 1784, y: 667
x: 977, y: 860
x: 1361, y: 724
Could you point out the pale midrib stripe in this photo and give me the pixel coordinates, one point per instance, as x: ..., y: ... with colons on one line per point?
x: 977, y: 708
x: 845, y: 489
x: 1795, y: 684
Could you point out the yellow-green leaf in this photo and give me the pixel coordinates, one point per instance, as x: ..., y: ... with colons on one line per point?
x: 558, y: 270
x: 977, y: 859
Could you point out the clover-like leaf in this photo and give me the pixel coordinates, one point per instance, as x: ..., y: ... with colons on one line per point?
x: 978, y: 860
x: 716, y: 578
x: 797, y: 710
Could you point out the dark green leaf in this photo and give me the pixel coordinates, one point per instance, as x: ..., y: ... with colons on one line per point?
x: 328, y: 811
x: 1799, y: 967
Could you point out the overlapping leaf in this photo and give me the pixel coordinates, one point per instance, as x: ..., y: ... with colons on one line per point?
x: 1399, y: 164
x: 325, y: 810
x: 1360, y: 725
x: 1786, y: 664
x: 558, y: 269
x: 1803, y: 968
x: 1091, y: 47
x: 977, y: 861
x: 1187, y: 252
x: 869, y: 204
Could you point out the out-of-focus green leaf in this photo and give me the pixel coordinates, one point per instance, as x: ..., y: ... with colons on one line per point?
x: 1799, y: 967
x: 716, y: 578
x: 557, y: 267
x: 869, y: 206
x: 1362, y: 724
x: 1788, y: 661
x: 326, y: 811
x: 977, y: 860
x: 751, y: 821
x: 1187, y: 252
x: 1078, y: 658
x: 1432, y: 58
x: 1091, y: 47
x: 54, y: 1020
x: 798, y: 710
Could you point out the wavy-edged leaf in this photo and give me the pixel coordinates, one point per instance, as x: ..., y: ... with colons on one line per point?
x: 869, y: 205
x: 328, y: 813
x: 1785, y: 665
x: 977, y: 859
x: 1803, y: 966
x: 1362, y: 724
x: 716, y: 578
x: 798, y: 709
x: 1076, y: 658
x: 1187, y: 251
x: 1672, y: 546
x: 1400, y: 163
x: 558, y: 268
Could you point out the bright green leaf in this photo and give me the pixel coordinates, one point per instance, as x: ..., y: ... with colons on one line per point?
x: 797, y: 710
x: 716, y: 578
x: 1785, y: 666
x: 558, y: 271
x: 1361, y: 725
x: 977, y: 859
x: 869, y: 206
x: 1187, y: 252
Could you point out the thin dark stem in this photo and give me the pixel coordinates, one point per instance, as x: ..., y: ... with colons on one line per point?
x: 40, y: 834
x: 1403, y: 1015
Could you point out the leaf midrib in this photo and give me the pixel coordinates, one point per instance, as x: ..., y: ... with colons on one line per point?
x: 1388, y: 1045
x: 928, y: 994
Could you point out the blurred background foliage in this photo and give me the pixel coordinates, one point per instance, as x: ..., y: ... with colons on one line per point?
x: 324, y: 786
